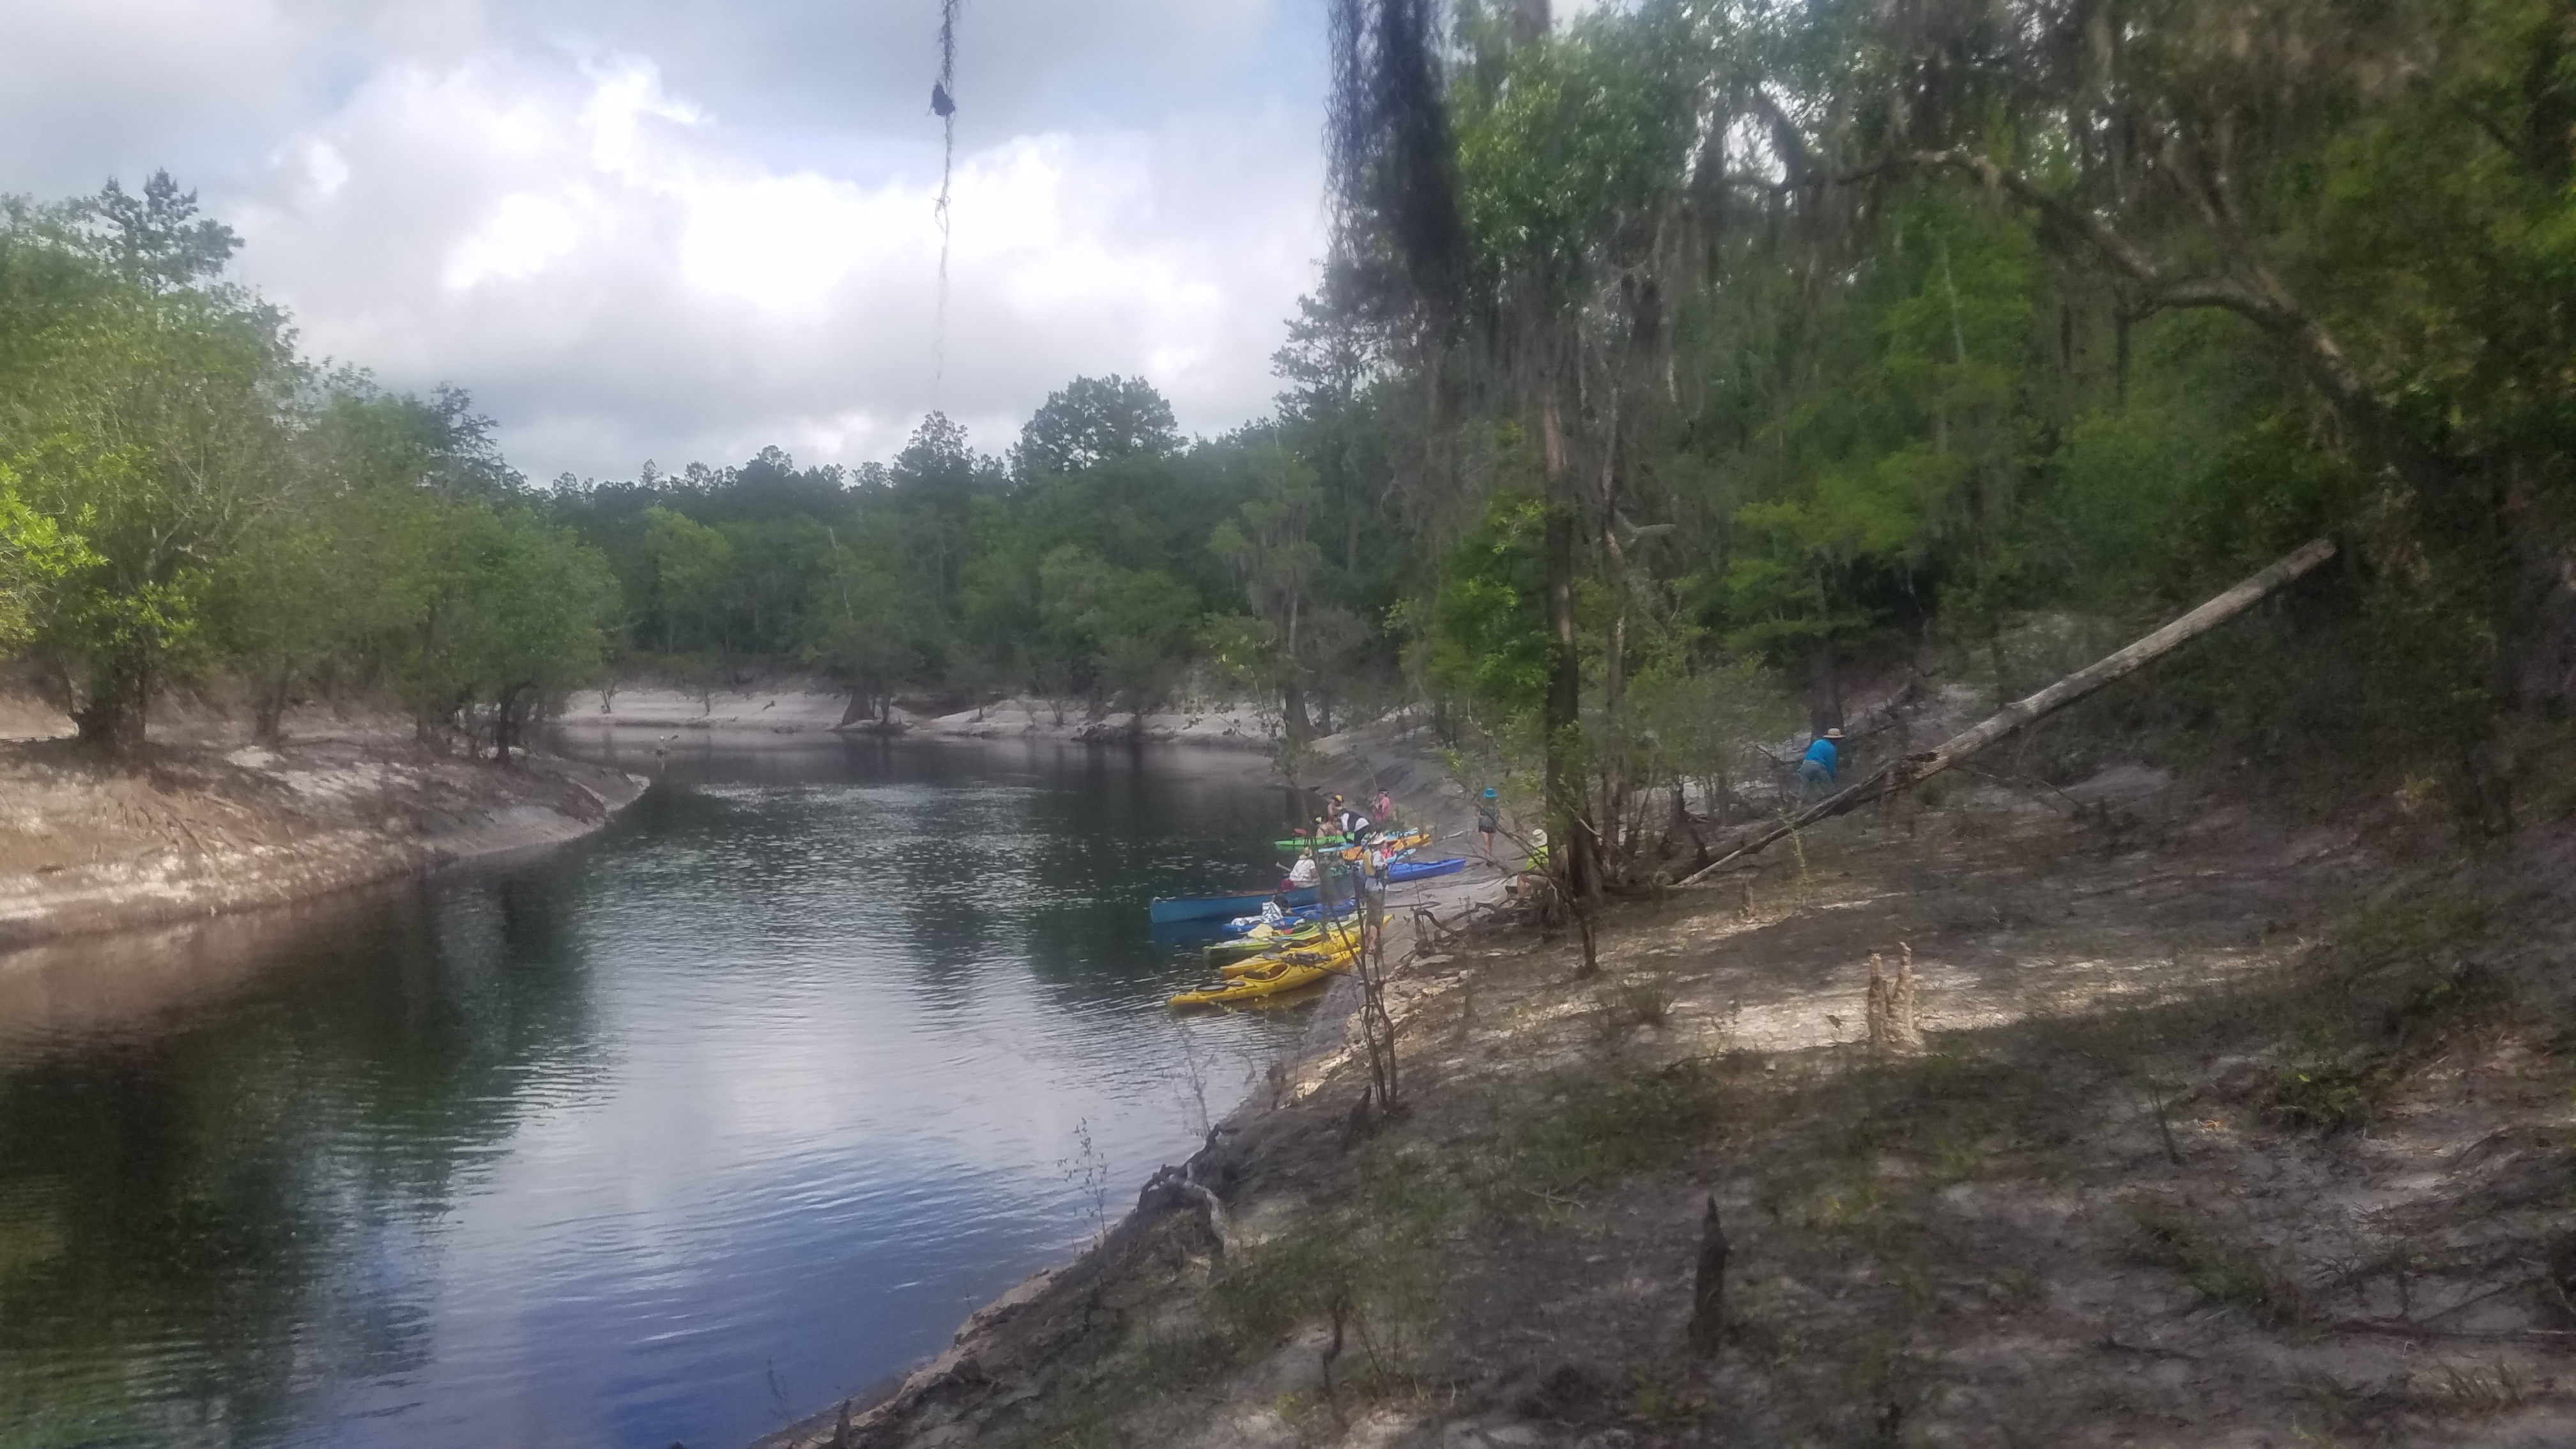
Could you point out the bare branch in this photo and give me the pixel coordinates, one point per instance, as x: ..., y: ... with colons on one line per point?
x: 2116, y: 249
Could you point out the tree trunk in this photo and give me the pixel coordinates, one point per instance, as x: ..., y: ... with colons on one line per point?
x: 1615, y: 759
x: 1292, y: 692
x: 1571, y: 848
x: 505, y: 722
x: 1824, y: 688
x: 1292, y: 713
x: 1564, y: 712
x: 2064, y: 692
x: 424, y: 728
x: 120, y: 701
x: 268, y: 712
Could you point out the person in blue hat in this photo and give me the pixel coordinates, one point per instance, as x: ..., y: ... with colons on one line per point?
x: 1489, y: 818
x: 1816, y: 773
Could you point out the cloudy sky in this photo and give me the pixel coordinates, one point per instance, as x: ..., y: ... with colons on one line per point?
x: 682, y: 229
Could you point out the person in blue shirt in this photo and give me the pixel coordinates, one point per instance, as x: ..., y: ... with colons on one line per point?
x: 1816, y: 772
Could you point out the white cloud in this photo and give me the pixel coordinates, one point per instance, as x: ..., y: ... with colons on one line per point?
x: 520, y: 199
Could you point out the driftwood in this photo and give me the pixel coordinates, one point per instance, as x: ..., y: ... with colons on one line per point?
x: 1897, y: 774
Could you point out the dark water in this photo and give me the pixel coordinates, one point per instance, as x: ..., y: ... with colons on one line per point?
x: 671, y: 1135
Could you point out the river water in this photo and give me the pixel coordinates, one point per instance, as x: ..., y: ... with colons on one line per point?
x: 671, y: 1135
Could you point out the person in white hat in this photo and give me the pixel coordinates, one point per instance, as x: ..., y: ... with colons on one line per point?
x: 1817, y: 772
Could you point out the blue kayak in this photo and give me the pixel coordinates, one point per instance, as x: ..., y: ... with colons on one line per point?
x: 1226, y: 908
x: 1223, y: 908
x: 1405, y: 870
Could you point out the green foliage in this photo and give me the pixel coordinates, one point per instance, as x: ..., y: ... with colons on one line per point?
x: 1490, y: 645
x: 1092, y: 421
x: 1087, y: 576
x: 1563, y: 148
x: 518, y: 610
x: 1701, y: 719
x: 692, y: 575
x: 181, y: 493
x: 36, y: 552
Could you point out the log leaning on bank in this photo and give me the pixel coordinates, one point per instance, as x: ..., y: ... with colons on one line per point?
x: 1899, y: 773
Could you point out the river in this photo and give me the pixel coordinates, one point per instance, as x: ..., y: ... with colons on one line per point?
x: 672, y: 1135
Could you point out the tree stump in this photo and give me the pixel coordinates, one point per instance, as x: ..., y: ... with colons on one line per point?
x: 1708, y: 1286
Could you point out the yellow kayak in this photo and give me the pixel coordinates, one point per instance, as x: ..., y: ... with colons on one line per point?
x: 1412, y: 839
x: 1284, y: 977
x: 1306, y: 953
x: 1303, y: 938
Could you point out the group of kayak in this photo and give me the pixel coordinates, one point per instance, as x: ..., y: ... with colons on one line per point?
x: 1285, y: 940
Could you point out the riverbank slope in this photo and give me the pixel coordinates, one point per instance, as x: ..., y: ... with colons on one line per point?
x: 2162, y: 1122
x: 193, y: 830
x: 790, y: 706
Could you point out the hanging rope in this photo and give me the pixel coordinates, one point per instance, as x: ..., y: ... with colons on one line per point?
x: 944, y: 105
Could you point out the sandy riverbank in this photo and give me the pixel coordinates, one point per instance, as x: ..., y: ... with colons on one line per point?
x: 794, y: 707
x: 2203, y: 1129
x: 196, y: 830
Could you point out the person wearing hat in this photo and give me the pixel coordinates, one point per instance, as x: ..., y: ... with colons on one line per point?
x: 1489, y: 818
x: 1351, y: 823
x: 1816, y: 772
x: 1305, y: 874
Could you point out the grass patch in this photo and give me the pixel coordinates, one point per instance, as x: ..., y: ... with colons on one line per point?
x: 2324, y: 1087
x: 1634, y: 1124
x: 2220, y: 1272
x: 1639, y: 1001
x: 2415, y: 927
x: 1373, y: 1268
x: 1853, y: 1202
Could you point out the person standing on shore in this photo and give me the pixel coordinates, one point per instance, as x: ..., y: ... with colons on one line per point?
x: 1489, y: 818
x: 1353, y: 825
x: 1372, y: 901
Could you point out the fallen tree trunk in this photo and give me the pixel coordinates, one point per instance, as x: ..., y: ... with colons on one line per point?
x: 1897, y: 774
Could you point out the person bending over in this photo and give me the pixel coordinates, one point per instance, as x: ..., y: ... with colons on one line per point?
x: 1816, y: 773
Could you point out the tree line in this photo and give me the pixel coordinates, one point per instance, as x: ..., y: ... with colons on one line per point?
x: 182, y: 493
x: 186, y: 500
x: 1104, y: 561
x: 1669, y: 366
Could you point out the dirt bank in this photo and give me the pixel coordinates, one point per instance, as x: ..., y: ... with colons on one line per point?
x: 801, y: 707
x: 193, y: 830
x: 2217, y: 1132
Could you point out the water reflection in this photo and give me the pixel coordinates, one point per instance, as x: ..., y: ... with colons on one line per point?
x: 668, y: 1136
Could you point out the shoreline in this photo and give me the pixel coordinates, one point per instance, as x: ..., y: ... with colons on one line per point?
x: 798, y: 710
x: 1700, y: 1196
x: 187, y: 832
x: 1324, y: 1059
x: 1360, y: 760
